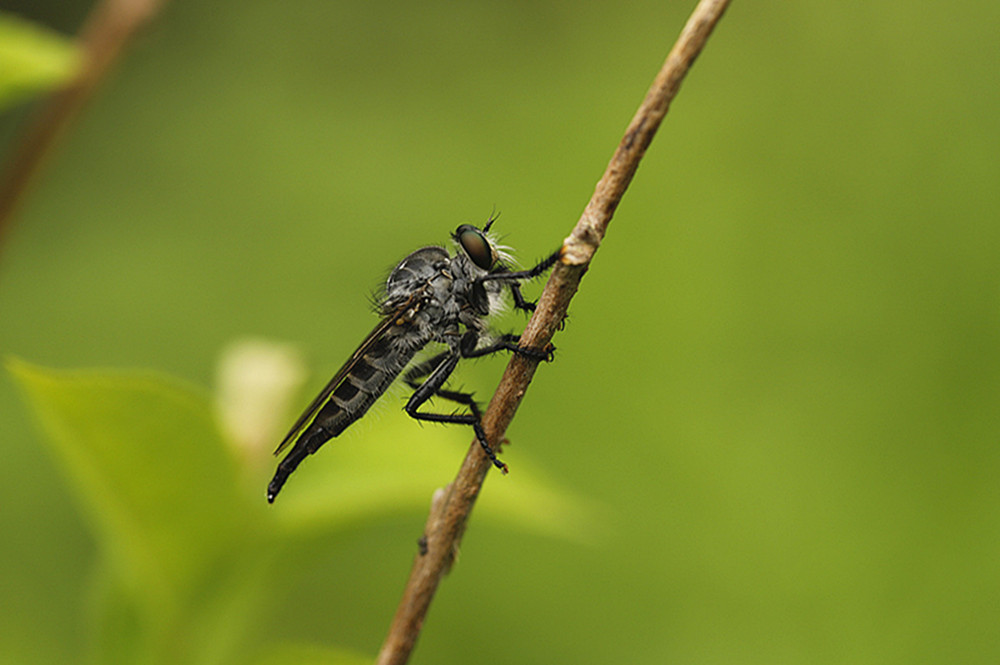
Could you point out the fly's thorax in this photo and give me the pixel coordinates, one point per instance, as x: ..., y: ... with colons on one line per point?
x: 414, y: 271
x: 431, y: 294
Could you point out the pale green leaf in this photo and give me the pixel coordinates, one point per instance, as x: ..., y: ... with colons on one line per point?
x: 144, y: 455
x: 191, y: 541
x: 397, y: 464
x: 32, y: 59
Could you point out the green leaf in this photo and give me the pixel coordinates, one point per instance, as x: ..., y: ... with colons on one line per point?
x: 192, y: 544
x: 145, y: 457
x: 398, y: 464
x: 32, y: 59
x: 386, y: 463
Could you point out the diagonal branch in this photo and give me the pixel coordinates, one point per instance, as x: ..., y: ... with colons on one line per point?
x: 451, y: 508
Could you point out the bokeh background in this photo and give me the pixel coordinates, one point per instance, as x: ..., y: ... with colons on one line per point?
x: 780, y: 380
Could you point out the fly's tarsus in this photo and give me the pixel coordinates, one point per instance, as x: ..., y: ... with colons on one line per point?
x: 544, y: 354
x: 488, y: 449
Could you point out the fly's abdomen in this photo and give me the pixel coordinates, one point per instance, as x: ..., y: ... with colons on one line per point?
x: 367, y: 379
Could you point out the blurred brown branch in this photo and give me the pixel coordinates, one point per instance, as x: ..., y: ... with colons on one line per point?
x: 451, y: 508
x: 109, y: 28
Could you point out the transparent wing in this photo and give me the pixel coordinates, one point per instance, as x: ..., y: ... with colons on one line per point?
x: 338, y: 378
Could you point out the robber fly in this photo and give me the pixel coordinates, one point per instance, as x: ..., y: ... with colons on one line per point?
x: 430, y: 296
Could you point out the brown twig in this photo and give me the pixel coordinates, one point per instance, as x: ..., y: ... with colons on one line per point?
x: 450, y: 510
x: 107, y: 30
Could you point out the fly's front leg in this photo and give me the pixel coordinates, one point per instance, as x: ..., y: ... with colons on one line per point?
x: 515, y: 290
x: 514, y: 277
x: 519, y: 275
x: 519, y: 301
x: 530, y: 305
x: 432, y: 386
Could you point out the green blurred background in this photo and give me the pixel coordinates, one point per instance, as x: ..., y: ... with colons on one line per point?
x: 781, y: 376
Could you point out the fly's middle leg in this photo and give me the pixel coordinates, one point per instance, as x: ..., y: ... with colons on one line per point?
x: 508, y: 342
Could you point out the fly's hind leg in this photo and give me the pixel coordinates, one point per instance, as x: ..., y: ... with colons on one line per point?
x: 439, y: 368
x: 417, y: 372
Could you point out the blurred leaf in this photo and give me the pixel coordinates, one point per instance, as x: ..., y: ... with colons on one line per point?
x: 257, y: 383
x: 531, y: 501
x: 398, y: 470
x: 145, y: 456
x: 149, y: 464
x: 32, y: 59
x: 190, y: 560
x: 312, y: 655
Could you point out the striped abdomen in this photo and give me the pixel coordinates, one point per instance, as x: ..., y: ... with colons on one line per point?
x: 350, y: 394
x: 366, y: 380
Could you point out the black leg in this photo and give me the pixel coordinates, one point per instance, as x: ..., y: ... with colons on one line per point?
x: 508, y: 342
x: 531, y: 273
x: 420, y: 370
x: 502, y: 273
x: 519, y: 301
x: 515, y: 290
x: 432, y: 386
x: 529, y: 305
x: 423, y: 369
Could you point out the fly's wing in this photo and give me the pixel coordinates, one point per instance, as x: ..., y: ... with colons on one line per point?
x: 398, y: 313
x: 337, y: 379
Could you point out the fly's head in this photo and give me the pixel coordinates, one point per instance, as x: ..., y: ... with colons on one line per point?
x: 482, y: 248
x: 480, y: 254
x: 476, y: 246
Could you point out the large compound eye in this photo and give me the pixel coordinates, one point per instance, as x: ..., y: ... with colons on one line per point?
x: 476, y: 245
